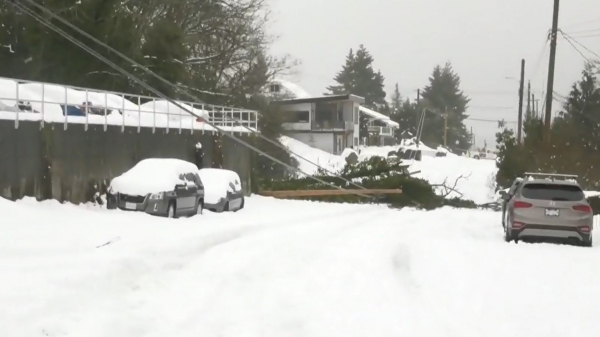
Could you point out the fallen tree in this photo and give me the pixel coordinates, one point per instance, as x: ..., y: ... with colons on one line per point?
x: 377, y: 173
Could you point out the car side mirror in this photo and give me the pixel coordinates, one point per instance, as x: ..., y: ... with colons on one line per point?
x: 504, y: 195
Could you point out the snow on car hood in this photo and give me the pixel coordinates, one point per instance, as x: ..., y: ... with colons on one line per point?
x: 216, y: 183
x: 152, y: 176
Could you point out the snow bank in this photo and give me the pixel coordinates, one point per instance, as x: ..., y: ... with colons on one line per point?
x: 217, y: 183
x: 152, y: 176
x: 325, y: 159
x: 474, y: 178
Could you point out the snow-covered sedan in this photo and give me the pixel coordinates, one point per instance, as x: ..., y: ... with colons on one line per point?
x: 223, y: 190
x: 164, y: 187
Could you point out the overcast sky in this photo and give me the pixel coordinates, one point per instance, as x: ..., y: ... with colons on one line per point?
x: 485, y: 41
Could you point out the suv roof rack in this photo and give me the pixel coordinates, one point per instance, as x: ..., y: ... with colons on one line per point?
x: 551, y: 176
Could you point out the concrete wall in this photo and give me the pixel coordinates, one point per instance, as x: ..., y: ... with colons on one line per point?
x: 53, y: 163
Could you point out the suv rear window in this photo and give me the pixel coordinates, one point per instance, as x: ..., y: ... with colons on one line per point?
x: 553, y: 192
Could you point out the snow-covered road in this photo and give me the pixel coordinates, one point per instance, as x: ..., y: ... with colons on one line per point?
x: 286, y: 268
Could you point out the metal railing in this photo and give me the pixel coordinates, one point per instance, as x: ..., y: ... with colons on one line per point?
x: 54, y: 103
x: 332, y: 125
x: 382, y: 130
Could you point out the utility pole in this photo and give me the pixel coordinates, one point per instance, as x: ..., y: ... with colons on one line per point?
x: 533, y: 106
x: 418, y: 116
x: 550, y: 89
x: 520, y: 126
x: 528, y: 114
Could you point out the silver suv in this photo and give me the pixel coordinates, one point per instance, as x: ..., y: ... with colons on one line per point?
x: 547, y: 206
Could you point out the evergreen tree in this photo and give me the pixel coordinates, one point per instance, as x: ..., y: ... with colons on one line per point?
x: 575, y: 134
x: 214, y: 48
x: 345, y: 78
x: 357, y: 77
x: 397, y: 102
x: 443, y: 94
x: 407, y: 117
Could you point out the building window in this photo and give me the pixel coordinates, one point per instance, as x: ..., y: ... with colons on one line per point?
x: 275, y: 88
x: 296, y: 116
x: 356, y: 115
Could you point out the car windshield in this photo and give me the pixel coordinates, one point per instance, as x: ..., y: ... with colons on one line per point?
x: 553, y: 192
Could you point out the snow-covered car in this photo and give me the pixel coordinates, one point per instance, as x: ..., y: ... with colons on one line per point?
x: 164, y: 187
x: 223, y: 190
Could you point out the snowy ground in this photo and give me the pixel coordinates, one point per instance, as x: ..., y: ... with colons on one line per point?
x: 474, y: 178
x: 286, y: 268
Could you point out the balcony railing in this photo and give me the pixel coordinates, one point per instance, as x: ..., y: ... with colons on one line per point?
x: 51, y: 103
x: 332, y: 125
x: 382, y: 130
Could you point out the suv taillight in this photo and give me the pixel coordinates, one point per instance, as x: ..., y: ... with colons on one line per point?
x: 522, y: 204
x: 583, y: 208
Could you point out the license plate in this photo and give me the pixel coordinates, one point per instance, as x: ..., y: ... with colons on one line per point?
x: 130, y: 205
x: 552, y: 212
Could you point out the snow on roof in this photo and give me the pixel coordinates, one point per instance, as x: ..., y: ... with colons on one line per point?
x: 392, y: 123
x: 293, y: 88
x: 373, y: 114
x: 152, y: 176
x: 378, y: 116
x: 216, y: 183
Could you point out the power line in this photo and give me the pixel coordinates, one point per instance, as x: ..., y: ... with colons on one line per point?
x: 587, y: 36
x: 585, y: 31
x: 492, y: 107
x: 541, y: 57
x: 48, y: 24
x: 575, y: 47
x: 579, y: 43
x: 579, y: 24
x: 193, y: 97
x: 489, y: 120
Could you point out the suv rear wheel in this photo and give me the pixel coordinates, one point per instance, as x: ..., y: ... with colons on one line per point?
x: 507, y: 236
x: 199, y: 207
x: 589, y: 243
x: 171, y: 210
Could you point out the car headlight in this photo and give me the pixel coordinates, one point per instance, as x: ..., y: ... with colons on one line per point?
x: 157, y: 196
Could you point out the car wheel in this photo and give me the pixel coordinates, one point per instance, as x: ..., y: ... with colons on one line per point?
x: 171, y: 211
x: 589, y: 243
x: 199, y: 207
x: 226, y: 207
x: 507, y: 236
x: 242, y: 205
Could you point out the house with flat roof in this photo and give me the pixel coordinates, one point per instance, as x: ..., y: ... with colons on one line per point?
x: 329, y: 123
x: 380, y: 126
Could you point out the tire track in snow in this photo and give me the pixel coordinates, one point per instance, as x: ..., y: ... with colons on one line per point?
x: 134, y: 280
x: 226, y: 272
